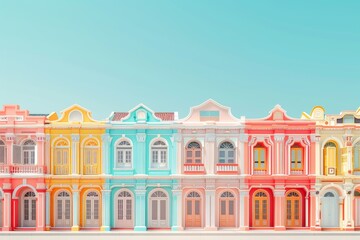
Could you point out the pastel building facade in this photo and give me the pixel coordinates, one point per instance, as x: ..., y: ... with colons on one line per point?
x: 337, y: 169
x: 75, y: 145
x: 141, y: 161
x: 22, y: 169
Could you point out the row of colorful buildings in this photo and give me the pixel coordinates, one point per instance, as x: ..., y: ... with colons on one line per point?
x: 145, y: 170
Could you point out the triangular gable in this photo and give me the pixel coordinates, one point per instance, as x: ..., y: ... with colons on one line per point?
x: 210, y: 111
x: 139, y: 114
x: 73, y: 114
x: 278, y: 114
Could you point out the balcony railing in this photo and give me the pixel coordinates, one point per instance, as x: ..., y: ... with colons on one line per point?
x: 227, y: 168
x: 296, y: 172
x: 27, y: 169
x: 4, y: 169
x: 194, y: 168
x: 260, y: 172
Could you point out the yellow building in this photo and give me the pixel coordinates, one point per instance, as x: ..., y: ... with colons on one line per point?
x: 74, y: 151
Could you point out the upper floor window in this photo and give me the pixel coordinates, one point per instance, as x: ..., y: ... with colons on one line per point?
x: 2, y: 152
x: 25, y: 153
x: 124, y: 155
x: 61, y: 157
x: 91, y: 157
x: 330, y: 158
x: 296, y: 157
x: 75, y: 116
x: 348, y: 119
x: 209, y: 115
x: 357, y: 157
x: 260, y: 159
x: 159, y: 154
x: 193, y: 153
x: 226, y: 153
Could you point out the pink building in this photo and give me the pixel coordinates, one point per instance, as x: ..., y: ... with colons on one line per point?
x: 23, y: 169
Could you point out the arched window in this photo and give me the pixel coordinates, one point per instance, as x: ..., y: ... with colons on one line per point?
x: 75, y: 116
x: 260, y: 158
x: 159, y: 155
x: 63, y: 210
x: 91, y: 157
x: 261, y: 209
x: 193, y: 153
x: 124, y: 155
x: 296, y: 157
x: 28, y: 152
x: 226, y: 153
x: 2, y: 152
x: 29, y: 209
x: 330, y: 158
x: 293, y: 209
x: 61, y: 158
x: 158, y: 206
x: 357, y: 157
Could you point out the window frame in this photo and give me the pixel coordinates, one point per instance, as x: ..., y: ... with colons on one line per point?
x: 296, y: 148
x: 161, y: 150
x: 124, y: 149
x: 257, y: 160
x: 226, y: 151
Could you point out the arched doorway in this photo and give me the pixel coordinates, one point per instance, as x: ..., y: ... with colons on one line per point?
x: 193, y: 210
x: 261, y: 211
x: 28, y: 206
x: 357, y: 208
x: 330, y: 210
x: 92, y: 209
x: 293, y: 209
x: 158, y: 209
x: 63, y: 209
x: 227, y: 210
x: 124, y: 210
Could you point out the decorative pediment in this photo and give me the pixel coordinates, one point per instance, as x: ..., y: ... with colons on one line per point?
x: 73, y: 114
x: 278, y: 114
x: 142, y: 114
x: 210, y: 111
x: 317, y: 113
x: 13, y: 113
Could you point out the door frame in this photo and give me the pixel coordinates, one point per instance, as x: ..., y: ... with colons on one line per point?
x: 167, y: 207
x: 132, y: 206
x: 84, y: 207
x: 268, y: 205
x: 202, y: 201
x: 56, y: 196
x: 236, y: 207
x: 22, y: 199
x: 300, y: 208
x: 337, y: 200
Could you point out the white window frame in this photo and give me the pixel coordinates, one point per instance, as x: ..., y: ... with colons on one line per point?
x: 56, y: 207
x: 123, y: 150
x: 161, y: 163
x: 29, y: 151
x: 226, y: 153
x: 3, y: 158
x: 92, y: 149
x: 63, y: 149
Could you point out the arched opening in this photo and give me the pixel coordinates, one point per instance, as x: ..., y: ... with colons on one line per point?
x: 193, y: 209
x: 293, y: 209
x: 330, y: 210
x: 330, y: 159
x: 124, y: 210
x: 227, y: 210
x: 158, y: 210
x: 63, y: 209
x: 92, y: 209
x: 261, y: 211
x: 28, y: 209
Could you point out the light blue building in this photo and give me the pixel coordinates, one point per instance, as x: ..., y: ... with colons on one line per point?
x: 141, y: 152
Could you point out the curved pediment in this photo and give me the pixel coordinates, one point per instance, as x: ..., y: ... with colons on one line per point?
x: 73, y: 114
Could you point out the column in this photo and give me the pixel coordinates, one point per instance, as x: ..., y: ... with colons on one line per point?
x: 241, y: 154
x: 279, y: 213
x: 141, y: 157
x: 40, y: 139
x: 210, y: 210
x: 105, y: 152
x: 47, y: 220
x: 307, y: 211
x: 75, y: 194
x: 244, y: 210
x: 10, y: 137
x: 177, y: 210
x: 348, y: 220
x: 7, y: 210
x: 75, y: 153
x: 40, y: 210
x: 140, y: 194
x: 47, y: 153
x: 105, y: 209
x: 14, y: 213
x: 209, y: 152
x: 178, y: 158
x: 279, y: 154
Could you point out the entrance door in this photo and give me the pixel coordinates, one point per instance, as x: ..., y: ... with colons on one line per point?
x: 357, y: 208
x: 293, y: 209
x: 124, y: 210
x: 63, y: 216
x: 227, y: 210
x: 29, y: 210
x: 193, y: 210
x: 330, y: 210
x: 92, y: 210
x: 158, y: 210
x: 261, y: 210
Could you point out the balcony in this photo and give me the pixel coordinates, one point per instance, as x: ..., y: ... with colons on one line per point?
x: 194, y: 168
x: 227, y: 168
x: 27, y: 169
x: 296, y: 172
x: 260, y: 172
x: 4, y: 169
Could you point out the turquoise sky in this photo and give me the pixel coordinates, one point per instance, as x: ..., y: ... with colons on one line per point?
x: 171, y: 55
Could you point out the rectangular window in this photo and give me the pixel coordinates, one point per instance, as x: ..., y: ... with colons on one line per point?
x: 223, y: 207
x: 288, y: 209
x: 67, y: 209
x: 120, y: 209
x: 33, y: 209
x: 231, y: 207
x: 154, y: 209
x: 197, y: 207
x: 2, y: 154
x: 96, y: 209
x: 16, y: 154
x: 162, y: 209
x: 259, y: 159
x: 296, y: 158
x: 128, y: 209
x: 189, y: 207
x: 59, y: 204
x: 88, y: 209
x: 209, y: 115
x: 257, y: 210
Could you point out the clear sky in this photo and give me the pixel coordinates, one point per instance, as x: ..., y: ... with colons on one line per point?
x: 171, y: 55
